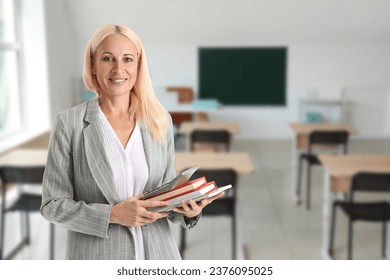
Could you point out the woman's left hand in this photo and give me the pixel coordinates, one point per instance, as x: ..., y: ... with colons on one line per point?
x: 192, y: 209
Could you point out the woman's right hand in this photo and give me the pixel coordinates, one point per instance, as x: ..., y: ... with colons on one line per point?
x: 132, y: 212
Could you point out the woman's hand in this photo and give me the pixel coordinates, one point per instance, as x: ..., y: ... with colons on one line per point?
x: 192, y: 209
x: 132, y: 212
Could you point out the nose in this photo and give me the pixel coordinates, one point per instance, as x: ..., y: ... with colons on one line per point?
x: 118, y: 67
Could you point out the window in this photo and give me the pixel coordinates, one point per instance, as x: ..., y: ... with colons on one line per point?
x: 10, y: 106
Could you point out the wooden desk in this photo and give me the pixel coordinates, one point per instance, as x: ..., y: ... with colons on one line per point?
x: 24, y: 157
x: 303, y: 130
x: 301, y: 142
x: 238, y: 161
x: 339, y: 170
x: 185, y: 112
x: 187, y: 127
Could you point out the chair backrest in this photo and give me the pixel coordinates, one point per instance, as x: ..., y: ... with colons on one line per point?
x: 210, y: 137
x: 226, y: 204
x: 222, y: 177
x: 19, y: 175
x: 371, y: 182
x: 184, y: 94
x: 22, y: 175
x: 332, y: 137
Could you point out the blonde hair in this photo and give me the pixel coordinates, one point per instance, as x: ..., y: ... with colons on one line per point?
x: 144, y: 107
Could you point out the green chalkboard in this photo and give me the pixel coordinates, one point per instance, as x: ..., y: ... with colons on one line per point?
x: 243, y: 76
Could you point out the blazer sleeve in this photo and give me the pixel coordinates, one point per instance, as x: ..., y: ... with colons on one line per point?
x: 58, y: 204
x: 170, y: 173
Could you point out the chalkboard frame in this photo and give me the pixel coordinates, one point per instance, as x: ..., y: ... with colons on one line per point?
x: 255, y: 76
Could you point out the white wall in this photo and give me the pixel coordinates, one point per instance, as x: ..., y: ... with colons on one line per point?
x: 327, y: 68
x: 351, y: 48
x: 62, y: 55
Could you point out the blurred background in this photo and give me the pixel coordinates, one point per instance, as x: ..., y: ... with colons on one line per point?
x: 266, y: 72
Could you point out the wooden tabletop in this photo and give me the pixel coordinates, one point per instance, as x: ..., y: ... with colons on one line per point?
x: 238, y: 161
x: 307, y: 128
x: 188, y: 127
x: 302, y: 131
x: 341, y: 168
x: 24, y: 157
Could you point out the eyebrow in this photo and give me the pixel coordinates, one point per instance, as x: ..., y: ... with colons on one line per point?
x: 126, y: 54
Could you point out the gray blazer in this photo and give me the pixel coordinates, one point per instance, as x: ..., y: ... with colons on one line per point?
x: 79, y: 189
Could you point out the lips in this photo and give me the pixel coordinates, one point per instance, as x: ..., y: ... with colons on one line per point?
x: 118, y: 80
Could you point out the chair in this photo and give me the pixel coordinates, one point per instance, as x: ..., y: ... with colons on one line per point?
x: 210, y: 139
x: 26, y: 202
x: 329, y: 138
x: 185, y: 95
x: 372, y: 211
x: 224, y: 206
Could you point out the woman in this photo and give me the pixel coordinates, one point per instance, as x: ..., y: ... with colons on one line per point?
x: 106, y: 152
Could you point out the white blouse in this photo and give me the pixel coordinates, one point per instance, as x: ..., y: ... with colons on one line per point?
x: 129, y: 168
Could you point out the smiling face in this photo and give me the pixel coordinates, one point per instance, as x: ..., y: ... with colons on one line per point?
x: 115, y: 64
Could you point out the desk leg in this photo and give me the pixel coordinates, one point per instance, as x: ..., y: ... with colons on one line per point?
x: 294, y: 166
x: 326, y: 208
x: 239, y: 249
x: 387, y: 252
x: 240, y: 246
x: 187, y: 143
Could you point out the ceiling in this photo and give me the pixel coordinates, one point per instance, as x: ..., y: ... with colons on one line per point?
x: 232, y: 22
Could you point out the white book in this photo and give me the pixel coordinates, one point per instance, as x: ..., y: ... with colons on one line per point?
x: 178, y: 180
x: 173, y: 204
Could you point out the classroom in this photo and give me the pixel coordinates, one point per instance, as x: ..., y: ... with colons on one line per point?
x: 287, y: 101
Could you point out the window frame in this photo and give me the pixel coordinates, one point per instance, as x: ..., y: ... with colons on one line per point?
x: 17, y: 48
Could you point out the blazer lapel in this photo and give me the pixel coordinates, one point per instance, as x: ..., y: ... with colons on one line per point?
x: 96, y: 157
x: 152, y: 158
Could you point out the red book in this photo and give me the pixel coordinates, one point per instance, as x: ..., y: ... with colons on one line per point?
x: 203, y: 189
x: 181, y: 189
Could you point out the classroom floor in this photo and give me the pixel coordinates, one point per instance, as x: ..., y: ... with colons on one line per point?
x: 271, y: 225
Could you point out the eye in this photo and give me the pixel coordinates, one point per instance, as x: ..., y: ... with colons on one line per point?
x: 128, y: 59
x: 108, y: 58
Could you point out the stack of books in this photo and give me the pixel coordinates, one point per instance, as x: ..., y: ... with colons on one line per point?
x: 175, y: 194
